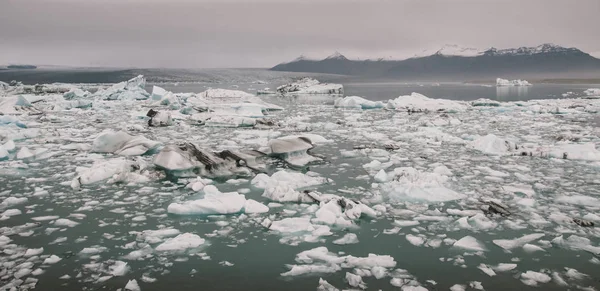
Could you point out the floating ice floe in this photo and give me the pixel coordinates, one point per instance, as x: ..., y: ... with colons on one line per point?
x: 416, y: 102
x: 410, y: 184
x: 592, y: 93
x: 283, y: 186
x: 159, y: 118
x: 294, y: 149
x: 215, y: 202
x: 310, y: 86
x: 357, y: 103
x: 493, y: 145
x: 181, y: 242
x: 321, y: 261
x: 112, y: 171
x: 503, y: 82
x: 129, y: 90
x: 123, y: 144
x: 190, y: 159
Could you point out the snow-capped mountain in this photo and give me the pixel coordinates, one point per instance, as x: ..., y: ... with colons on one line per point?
x: 458, y: 62
x: 451, y: 50
x: 336, y: 56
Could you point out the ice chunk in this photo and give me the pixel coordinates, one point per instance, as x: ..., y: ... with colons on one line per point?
x: 113, y: 170
x: 53, y: 259
x: 415, y: 240
x: 491, y: 144
x: 348, y: 238
x: 325, y: 286
x: 504, y: 267
x: 181, y: 242
x: 355, y: 281
x: 65, y: 222
x: 293, y: 149
x: 190, y: 159
x: 158, y: 93
x: 310, y: 86
x: 509, y: 244
x: 132, y: 89
x: 580, y: 200
x: 470, y: 243
x: 76, y: 93
x: 16, y: 105
x: 357, y: 102
x: 132, y: 285
x: 159, y: 118
x: 503, y: 82
x: 411, y: 184
x: 121, y: 143
x: 532, y: 278
x: 119, y: 268
x: 416, y: 102
x: 215, y: 202
x: 592, y: 92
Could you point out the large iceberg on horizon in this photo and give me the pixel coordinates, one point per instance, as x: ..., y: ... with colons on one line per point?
x: 310, y: 86
x: 503, y: 82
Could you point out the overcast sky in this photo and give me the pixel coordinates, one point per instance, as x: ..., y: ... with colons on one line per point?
x: 262, y: 33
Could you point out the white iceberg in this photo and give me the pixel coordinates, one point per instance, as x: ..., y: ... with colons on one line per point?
x: 592, y: 92
x: 357, y: 102
x: 191, y: 160
x: 123, y: 144
x: 129, y: 90
x: 215, y: 202
x: 16, y: 105
x: 416, y: 102
x: 503, y: 82
x: 408, y: 183
x: 76, y: 93
x: 493, y: 145
x: 159, y: 118
x: 113, y: 170
x: 310, y: 86
x: 181, y: 242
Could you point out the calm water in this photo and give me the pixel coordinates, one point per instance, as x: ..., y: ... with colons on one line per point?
x: 384, y: 91
x: 258, y: 256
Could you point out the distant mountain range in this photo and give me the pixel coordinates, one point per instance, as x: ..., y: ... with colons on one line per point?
x: 452, y: 62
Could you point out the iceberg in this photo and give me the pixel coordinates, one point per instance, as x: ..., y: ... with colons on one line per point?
x: 159, y: 118
x: 129, y: 90
x: 503, y: 82
x: 310, y: 86
x: 123, y: 144
x: 357, y: 102
x: 16, y: 105
x: 113, y: 170
x: 215, y: 202
x: 294, y: 149
x: 76, y: 93
x: 493, y: 145
x: 190, y: 159
x: 416, y: 102
x: 592, y: 93
x: 408, y: 183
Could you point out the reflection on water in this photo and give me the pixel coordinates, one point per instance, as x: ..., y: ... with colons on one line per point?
x: 506, y: 93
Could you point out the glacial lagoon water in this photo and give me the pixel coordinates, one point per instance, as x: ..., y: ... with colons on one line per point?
x: 543, y: 194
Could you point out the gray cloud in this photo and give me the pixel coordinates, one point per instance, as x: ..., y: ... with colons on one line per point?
x: 246, y: 33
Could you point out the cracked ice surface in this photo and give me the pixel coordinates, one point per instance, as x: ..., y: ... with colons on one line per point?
x: 399, y: 196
